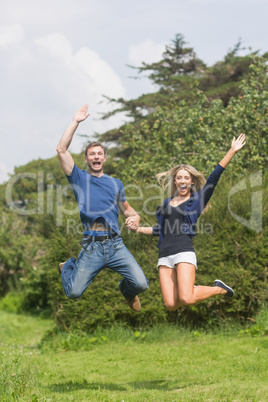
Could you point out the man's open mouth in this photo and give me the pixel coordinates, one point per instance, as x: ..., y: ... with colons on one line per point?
x: 96, y: 163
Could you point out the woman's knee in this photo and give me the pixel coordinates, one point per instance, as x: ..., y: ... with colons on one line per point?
x: 170, y: 305
x: 186, y: 300
x: 171, y: 308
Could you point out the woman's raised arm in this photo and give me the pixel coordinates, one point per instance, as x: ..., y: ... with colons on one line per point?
x: 237, y: 144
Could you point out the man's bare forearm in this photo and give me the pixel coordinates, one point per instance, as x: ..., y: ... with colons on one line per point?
x: 130, y: 212
x: 67, y: 137
x: 68, y: 134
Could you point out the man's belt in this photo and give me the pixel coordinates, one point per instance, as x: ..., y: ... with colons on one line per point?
x: 88, y: 239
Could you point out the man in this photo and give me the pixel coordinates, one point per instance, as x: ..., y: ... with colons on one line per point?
x: 98, y: 196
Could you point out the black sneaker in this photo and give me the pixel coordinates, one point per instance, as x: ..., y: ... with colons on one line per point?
x: 222, y: 285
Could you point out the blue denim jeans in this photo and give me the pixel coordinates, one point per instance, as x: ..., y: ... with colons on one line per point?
x: 112, y: 253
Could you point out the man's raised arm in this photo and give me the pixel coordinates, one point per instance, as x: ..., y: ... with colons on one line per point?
x: 66, y: 160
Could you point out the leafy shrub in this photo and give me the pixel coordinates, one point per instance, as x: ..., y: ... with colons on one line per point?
x: 12, y: 302
x: 259, y: 326
x: 231, y: 252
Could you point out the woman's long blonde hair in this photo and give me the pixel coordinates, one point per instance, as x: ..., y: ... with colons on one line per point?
x: 167, y: 179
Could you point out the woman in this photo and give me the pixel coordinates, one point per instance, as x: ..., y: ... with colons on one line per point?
x: 177, y: 218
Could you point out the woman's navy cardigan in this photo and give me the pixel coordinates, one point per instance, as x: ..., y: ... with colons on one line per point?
x: 193, y: 207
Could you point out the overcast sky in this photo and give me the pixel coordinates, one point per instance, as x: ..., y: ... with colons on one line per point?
x: 57, y: 55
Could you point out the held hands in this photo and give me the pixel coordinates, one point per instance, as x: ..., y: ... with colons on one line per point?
x: 238, y: 143
x: 81, y: 114
x: 132, y: 222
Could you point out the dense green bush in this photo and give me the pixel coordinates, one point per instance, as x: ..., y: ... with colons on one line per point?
x: 225, y: 249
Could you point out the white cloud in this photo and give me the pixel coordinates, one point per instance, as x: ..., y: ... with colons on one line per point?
x: 56, y: 45
x: 11, y: 34
x: 83, y: 74
x: 43, y: 83
x: 102, y: 78
x: 147, y: 51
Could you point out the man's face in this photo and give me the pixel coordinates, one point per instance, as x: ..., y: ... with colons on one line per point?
x: 95, y: 159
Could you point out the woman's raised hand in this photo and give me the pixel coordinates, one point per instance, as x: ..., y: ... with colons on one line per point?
x: 238, y: 143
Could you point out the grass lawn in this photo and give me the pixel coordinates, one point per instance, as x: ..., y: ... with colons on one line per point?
x: 164, y: 364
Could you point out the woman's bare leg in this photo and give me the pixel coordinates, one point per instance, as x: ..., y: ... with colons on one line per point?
x: 177, y: 286
x: 187, y: 293
x: 169, y: 287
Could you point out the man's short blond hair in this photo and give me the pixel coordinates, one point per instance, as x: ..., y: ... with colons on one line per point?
x: 95, y: 144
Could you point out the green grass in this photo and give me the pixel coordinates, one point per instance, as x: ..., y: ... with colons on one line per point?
x: 162, y: 364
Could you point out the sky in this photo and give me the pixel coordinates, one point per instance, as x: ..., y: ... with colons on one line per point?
x: 57, y: 55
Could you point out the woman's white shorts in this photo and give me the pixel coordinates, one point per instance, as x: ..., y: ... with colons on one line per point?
x: 171, y: 260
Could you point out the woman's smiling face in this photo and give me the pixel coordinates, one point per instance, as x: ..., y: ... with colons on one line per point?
x: 183, y: 182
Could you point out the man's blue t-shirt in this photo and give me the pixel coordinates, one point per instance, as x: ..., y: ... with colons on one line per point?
x: 97, y: 197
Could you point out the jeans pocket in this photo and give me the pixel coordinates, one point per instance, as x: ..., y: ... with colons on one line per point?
x: 88, y: 247
x: 117, y: 244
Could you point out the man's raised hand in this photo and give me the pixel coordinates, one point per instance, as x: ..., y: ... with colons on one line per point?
x: 81, y: 114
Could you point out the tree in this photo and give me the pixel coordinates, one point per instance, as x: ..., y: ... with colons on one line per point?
x: 201, y: 133
x: 177, y: 76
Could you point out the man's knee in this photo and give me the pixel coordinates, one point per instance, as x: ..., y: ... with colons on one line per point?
x: 142, y: 285
x: 72, y: 294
